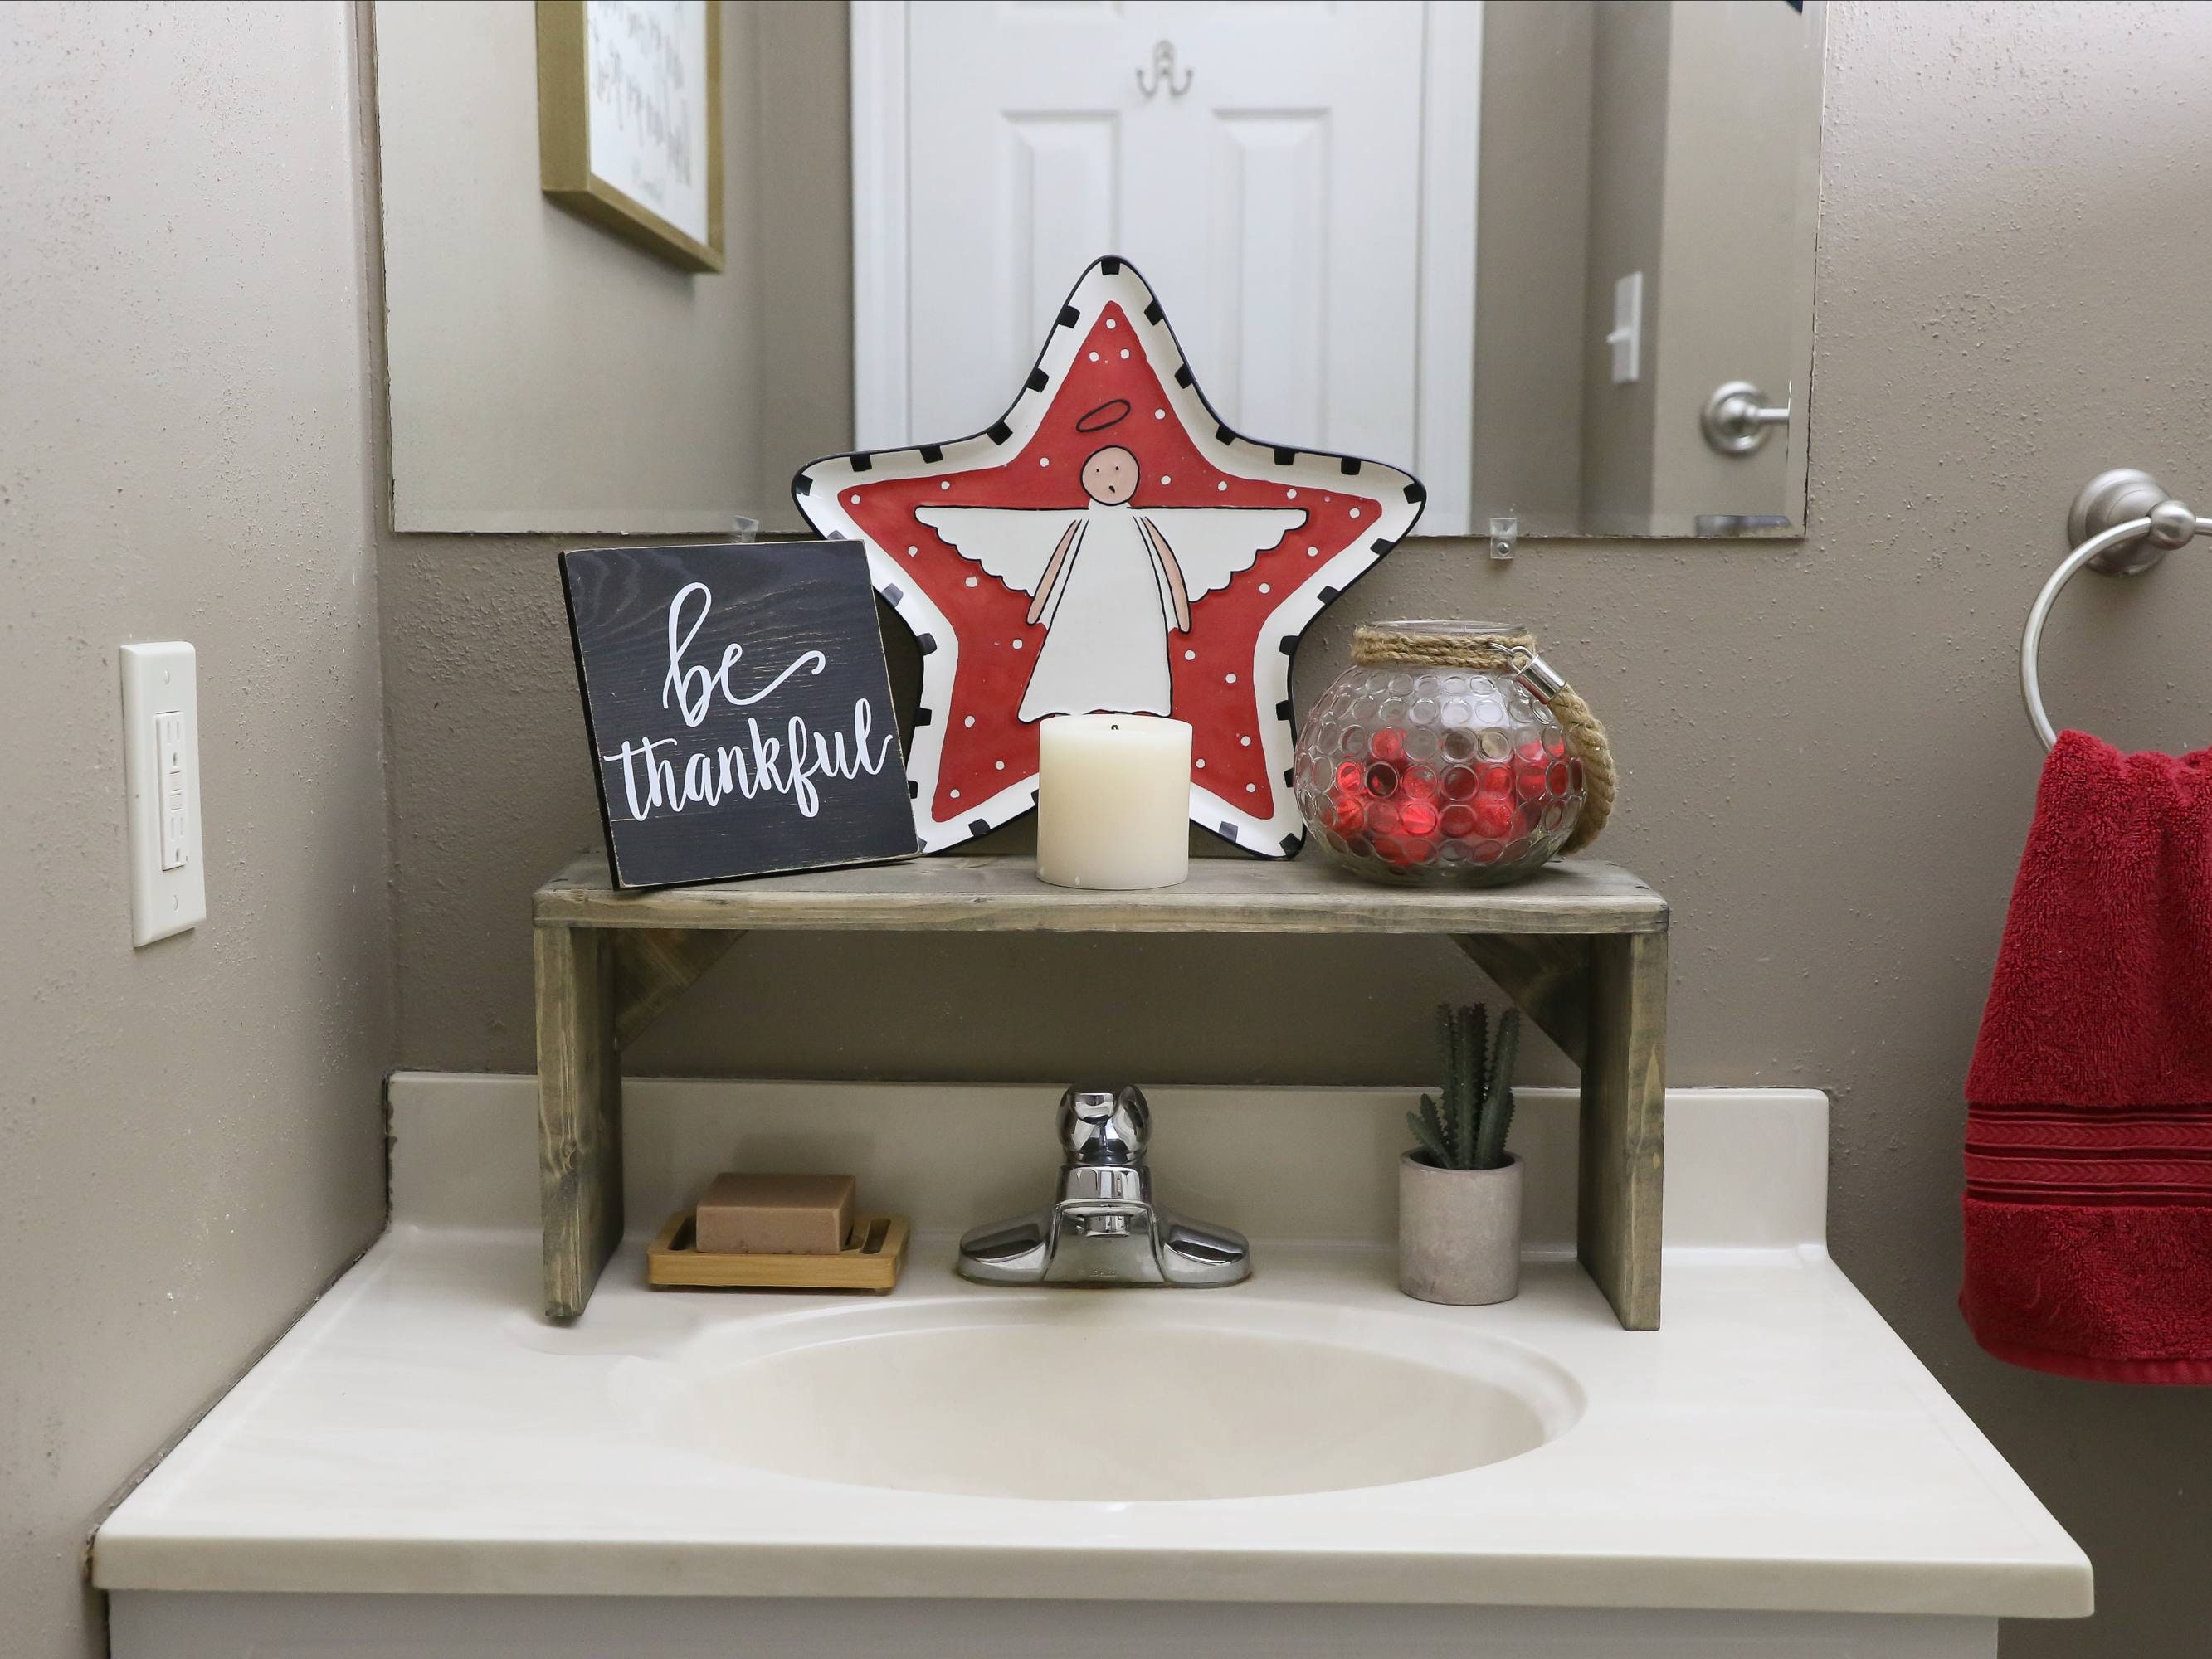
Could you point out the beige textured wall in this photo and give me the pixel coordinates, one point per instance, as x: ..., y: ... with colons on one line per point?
x: 191, y: 1139
x: 1827, y: 767
x: 545, y: 373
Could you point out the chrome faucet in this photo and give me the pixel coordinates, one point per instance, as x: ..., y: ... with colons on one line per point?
x: 1104, y: 1228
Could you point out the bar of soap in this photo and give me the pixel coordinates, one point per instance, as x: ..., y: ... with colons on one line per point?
x: 775, y: 1215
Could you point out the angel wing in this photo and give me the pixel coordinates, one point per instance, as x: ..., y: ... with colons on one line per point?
x: 1014, y: 543
x: 1212, y: 543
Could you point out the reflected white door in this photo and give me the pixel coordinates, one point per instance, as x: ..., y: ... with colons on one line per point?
x: 1269, y: 184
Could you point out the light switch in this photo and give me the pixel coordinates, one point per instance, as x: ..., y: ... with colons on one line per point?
x: 161, y: 779
x: 1627, y: 336
x: 169, y: 748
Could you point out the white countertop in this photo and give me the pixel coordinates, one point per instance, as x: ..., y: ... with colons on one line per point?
x: 1775, y: 1446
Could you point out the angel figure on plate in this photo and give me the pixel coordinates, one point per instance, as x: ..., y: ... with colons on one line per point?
x: 1110, y: 581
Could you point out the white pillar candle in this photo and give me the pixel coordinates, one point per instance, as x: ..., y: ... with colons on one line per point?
x: 1113, y: 801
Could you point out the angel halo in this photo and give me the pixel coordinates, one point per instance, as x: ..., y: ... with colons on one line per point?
x: 1109, y: 546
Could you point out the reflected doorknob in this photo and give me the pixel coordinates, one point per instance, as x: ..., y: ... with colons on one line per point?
x: 1736, y: 419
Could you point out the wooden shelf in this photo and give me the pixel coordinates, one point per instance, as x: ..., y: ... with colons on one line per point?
x: 1223, y: 895
x: 1582, y: 948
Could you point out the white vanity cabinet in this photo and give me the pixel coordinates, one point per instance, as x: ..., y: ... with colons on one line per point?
x: 506, y: 1627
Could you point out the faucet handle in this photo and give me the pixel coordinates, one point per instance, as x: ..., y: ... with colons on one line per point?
x: 1104, y: 1126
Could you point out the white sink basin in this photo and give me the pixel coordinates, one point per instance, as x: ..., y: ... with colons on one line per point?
x: 1123, y: 1395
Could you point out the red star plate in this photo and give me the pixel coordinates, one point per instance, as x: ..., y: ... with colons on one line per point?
x: 1109, y: 546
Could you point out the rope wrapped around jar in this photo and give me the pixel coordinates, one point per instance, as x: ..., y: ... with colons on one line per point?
x: 1507, y: 651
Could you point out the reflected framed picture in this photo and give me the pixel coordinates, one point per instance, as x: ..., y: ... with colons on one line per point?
x: 630, y: 120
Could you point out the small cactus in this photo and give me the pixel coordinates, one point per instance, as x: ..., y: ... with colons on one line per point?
x: 1468, y: 1131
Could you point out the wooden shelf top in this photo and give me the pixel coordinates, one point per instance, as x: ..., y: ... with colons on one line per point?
x: 974, y: 894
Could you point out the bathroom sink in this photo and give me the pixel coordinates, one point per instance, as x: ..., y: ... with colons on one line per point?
x: 959, y: 1469
x: 1111, y: 1397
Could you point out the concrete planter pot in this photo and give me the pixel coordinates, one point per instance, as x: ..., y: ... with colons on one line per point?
x: 1459, y: 1232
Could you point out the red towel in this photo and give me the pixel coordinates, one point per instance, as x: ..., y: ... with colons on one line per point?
x: 2089, y: 1104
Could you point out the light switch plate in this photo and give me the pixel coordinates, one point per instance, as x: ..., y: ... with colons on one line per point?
x: 1627, y: 336
x: 161, y: 779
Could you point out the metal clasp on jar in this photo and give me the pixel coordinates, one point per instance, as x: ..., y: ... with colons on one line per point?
x: 1535, y: 676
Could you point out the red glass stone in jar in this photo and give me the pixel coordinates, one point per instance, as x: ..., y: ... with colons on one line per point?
x: 1411, y: 770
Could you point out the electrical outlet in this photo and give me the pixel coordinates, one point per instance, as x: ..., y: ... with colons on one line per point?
x: 162, y: 780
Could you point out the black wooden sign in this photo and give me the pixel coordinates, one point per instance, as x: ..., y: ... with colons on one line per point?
x: 739, y: 709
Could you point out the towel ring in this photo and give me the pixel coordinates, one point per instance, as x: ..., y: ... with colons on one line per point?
x: 2123, y: 523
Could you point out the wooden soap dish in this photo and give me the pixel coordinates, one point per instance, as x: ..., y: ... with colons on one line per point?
x: 874, y: 1256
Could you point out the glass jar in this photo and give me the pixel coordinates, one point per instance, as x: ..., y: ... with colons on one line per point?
x: 1416, y: 766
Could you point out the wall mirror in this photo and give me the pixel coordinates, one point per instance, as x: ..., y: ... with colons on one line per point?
x: 1559, y: 258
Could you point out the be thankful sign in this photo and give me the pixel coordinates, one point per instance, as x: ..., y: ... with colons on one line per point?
x: 739, y: 710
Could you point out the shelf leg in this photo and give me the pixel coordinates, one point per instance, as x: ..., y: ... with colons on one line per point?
x: 1624, y: 1123
x: 579, y: 1112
